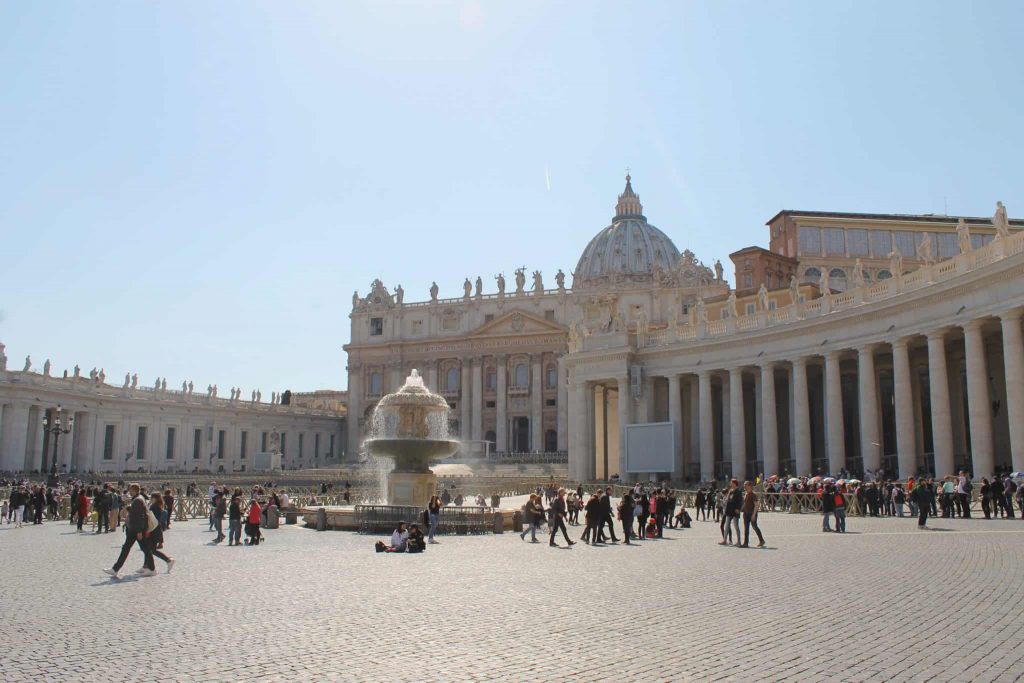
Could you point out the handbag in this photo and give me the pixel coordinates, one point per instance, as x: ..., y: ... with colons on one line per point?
x: 151, y: 523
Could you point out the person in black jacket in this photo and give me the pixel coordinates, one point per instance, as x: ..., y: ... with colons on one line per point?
x: 592, y: 516
x: 731, y: 513
x: 828, y: 506
x: 921, y: 495
x: 626, y: 516
x: 606, y: 511
x: 135, y: 532
x: 558, y: 519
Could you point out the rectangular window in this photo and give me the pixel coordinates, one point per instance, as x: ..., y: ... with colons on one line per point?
x: 222, y: 437
x: 771, y: 304
x: 857, y: 242
x: 751, y: 309
x: 263, y: 442
x: 550, y: 403
x: 376, y: 327
x: 302, y: 442
x: 748, y: 280
x: 417, y: 327
x: 949, y: 245
x: 686, y: 309
x: 108, y: 442
x: 977, y: 241
x: 492, y: 381
x: 140, y: 444
x: 197, y: 444
x: 490, y: 404
x: 316, y: 446
x: 283, y: 435
x: 330, y: 453
x: 449, y: 323
x: 904, y: 243
x: 881, y: 243
x: 171, y: 433
x: 243, y: 449
x: 834, y: 241
x: 488, y: 317
x: 810, y: 241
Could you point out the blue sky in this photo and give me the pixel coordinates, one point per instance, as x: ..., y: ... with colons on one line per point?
x: 194, y: 189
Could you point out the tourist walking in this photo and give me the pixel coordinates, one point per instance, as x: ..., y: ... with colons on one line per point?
x: 920, y: 497
x: 220, y: 511
x: 235, y: 520
x: 750, y: 515
x: 533, y: 513
x: 828, y: 507
x: 701, y: 500
x: 156, y: 537
x: 606, y: 515
x: 81, y: 508
x: 135, y: 532
x: 434, y: 516
x: 626, y: 516
x: 557, y: 511
x: 732, y: 505
x: 963, y: 494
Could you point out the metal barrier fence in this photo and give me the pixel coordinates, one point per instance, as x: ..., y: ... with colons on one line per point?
x: 377, y: 519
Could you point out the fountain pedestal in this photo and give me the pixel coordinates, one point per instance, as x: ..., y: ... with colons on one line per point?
x: 411, y: 488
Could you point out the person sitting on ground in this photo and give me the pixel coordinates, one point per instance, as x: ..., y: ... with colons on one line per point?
x: 652, y: 527
x: 683, y: 518
x: 416, y: 543
x: 399, y: 539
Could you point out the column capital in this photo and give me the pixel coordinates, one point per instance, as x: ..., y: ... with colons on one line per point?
x: 799, y: 361
x: 937, y: 335
x: 673, y: 378
x: 1012, y: 315
x: 866, y: 349
x: 738, y: 370
x: 768, y: 365
x: 973, y: 325
x: 833, y: 355
x: 900, y: 342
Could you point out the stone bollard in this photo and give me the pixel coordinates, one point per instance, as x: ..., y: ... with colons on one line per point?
x: 291, y: 516
x: 499, y: 523
x: 321, y: 519
x: 273, y: 518
x: 517, y: 521
x: 495, y: 501
x: 794, y: 506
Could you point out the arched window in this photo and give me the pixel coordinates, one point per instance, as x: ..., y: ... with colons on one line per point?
x: 522, y: 376
x: 550, y: 441
x: 812, y: 275
x: 552, y: 377
x: 837, y: 279
x: 376, y: 384
x: 884, y: 275
x: 452, y: 379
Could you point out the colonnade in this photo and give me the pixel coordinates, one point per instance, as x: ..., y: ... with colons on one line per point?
x: 945, y: 405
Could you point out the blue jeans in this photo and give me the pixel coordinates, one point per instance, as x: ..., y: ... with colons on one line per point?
x: 234, y: 531
x: 841, y: 520
x: 219, y: 523
x: 433, y: 527
x: 824, y: 522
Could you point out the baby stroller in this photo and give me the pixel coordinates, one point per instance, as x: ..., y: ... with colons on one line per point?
x: 253, y: 535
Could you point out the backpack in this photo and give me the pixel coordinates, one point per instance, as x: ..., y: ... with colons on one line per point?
x: 968, y: 487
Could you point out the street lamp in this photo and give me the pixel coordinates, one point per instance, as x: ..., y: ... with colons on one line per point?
x: 56, y: 427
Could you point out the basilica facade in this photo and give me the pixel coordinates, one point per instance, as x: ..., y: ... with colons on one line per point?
x: 898, y: 349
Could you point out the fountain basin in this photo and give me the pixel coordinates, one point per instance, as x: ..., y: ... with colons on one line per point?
x: 411, y: 454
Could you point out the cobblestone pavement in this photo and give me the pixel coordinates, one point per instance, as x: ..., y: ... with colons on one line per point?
x: 884, y: 602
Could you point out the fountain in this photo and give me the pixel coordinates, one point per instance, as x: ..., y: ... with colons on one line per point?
x: 410, y: 432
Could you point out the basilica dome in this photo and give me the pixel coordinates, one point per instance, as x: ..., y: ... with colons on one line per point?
x: 628, y: 250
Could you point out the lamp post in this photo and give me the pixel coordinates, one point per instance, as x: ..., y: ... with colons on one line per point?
x: 56, y: 427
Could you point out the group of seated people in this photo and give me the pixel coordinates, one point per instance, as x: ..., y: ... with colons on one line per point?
x: 404, y: 540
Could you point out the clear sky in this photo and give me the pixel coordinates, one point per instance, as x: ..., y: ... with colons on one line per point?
x: 194, y: 189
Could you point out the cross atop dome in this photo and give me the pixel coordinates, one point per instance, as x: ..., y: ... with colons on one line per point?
x: 628, y: 205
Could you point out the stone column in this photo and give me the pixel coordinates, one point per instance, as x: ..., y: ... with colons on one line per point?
x: 942, y: 419
x: 581, y: 455
x: 465, y: 399
x: 431, y: 378
x: 355, y: 412
x: 906, y: 448
x: 1013, y: 363
x: 563, y: 404
x: 478, y: 398
x: 769, y: 421
x: 624, y: 419
x: 15, y: 437
x: 675, y: 415
x: 536, y: 403
x: 737, y: 424
x: 707, y: 426
x: 978, y: 406
x: 397, y: 379
x: 835, y: 443
x: 35, y: 439
x: 501, y: 426
x: 867, y: 394
x: 693, y: 416
x: 801, y: 418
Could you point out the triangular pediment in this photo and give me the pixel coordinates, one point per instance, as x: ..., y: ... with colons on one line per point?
x: 517, y: 321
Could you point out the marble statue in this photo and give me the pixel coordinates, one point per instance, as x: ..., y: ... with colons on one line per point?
x: 520, y: 280
x: 858, y: 274
x: 924, y: 249
x: 399, y: 295
x: 135, y: 380
x: 702, y: 311
x: 93, y: 374
x: 575, y: 337
x: 433, y: 291
x: 259, y: 396
x: 896, y: 263
x: 794, y: 290
x: 730, y: 305
x: 500, y: 279
x: 209, y: 390
x: 963, y: 235
x: 618, y: 325
x: 253, y: 395
x: 65, y: 373
x: 156, y: 385
x: 46, y: 368
x: 3, y: 357
x: 184, y: 387
x: 560, y: 280
x: 215, y: 391
x: 355, y: 299
x: 102, y: 376
x: 127, y: 380
x: 641, y: 322
x: 163, y: 384
x: 78, y: 371
x: 191, y: 388
x: 1000, y: 222
x: 479, y: 287
x: 762, y: 297
x: 28, y: 364
x: 718, y: 270
x: 824, y: 283
x: 538, y: 283
x: 467, y: 289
